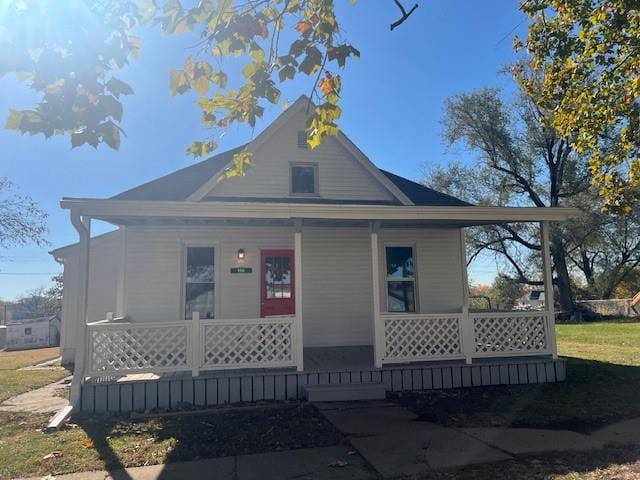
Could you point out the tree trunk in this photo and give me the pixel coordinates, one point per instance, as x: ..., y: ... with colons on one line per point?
x: 566, y: 300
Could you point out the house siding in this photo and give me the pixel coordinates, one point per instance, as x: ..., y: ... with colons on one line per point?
x: 153, y: 271
x: 337, y: 287
x: 104, y: 268
x: 336, y: 284
x: 341, y: 176
x: 438, y: 262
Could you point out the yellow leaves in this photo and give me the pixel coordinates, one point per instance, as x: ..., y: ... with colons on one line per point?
x: 241, y: 162
x: 322, y: 123
x: 201, y: 149
x: 87, y: 443
x: 178, y: 82
x: 14, y: 120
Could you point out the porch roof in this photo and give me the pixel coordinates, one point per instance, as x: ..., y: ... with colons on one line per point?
x: 123, y: 212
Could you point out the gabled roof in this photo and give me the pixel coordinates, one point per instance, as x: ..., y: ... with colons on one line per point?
x: 195, y: 181
x: 303, y: 104
x: 181, y: 183
x: 425, y: 196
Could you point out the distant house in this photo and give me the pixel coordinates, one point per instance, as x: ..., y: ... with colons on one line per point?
x: 33, y: 333
x: 531, y: 300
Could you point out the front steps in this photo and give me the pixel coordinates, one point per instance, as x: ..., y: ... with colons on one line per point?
x: 345, y: 392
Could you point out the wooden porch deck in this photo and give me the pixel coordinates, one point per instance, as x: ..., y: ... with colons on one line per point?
x: 323, y: 366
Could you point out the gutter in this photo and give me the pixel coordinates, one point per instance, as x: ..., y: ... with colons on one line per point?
x: 105, y: 208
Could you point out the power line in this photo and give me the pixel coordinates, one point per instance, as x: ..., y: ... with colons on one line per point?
x: 29, y: 273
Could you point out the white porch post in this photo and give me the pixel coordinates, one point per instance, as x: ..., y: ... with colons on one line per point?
x: 82, y: 224
x: 466, y: 329
x: 548, y: 288
x: 378, y: 326
x: 297, y: 262
x: 195, y: 344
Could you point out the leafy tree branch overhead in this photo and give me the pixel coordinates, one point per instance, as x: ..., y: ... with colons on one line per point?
x: 581, y: 68
x: 74, y: 69
x: 587, y: 55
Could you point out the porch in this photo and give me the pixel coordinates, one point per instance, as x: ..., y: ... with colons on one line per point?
x: 325, y: 366
x: 119, y: 348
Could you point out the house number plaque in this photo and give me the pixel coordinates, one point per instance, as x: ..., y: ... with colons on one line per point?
x: 241, y: 270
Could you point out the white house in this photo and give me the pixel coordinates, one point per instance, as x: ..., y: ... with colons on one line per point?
x: 33, y: 333
x: 314, y: 262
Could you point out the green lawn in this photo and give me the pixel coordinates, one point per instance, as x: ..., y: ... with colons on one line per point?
x: 614, y: 341
x: 14, y: 381
x: 602, y: 386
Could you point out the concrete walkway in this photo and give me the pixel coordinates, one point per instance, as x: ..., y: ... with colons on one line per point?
x: 48, y: 399
x: 387, y: 442
x: 329, y: 463
x: 391, y: 439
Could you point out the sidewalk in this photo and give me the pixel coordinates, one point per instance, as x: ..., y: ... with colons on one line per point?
x: 329, y: 463
x: 387, y: 442
x: 395, y: 444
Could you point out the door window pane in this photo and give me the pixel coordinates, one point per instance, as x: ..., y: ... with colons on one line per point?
x: 277, y: 278
x: 400, y: 279
x: 200, y: 282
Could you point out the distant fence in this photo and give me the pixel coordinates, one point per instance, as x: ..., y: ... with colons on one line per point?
x: 614, y: 306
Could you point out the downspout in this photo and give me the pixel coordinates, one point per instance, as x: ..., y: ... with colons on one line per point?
x: 83, y: 227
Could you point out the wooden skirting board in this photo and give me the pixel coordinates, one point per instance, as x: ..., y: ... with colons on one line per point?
x: 120, y: 397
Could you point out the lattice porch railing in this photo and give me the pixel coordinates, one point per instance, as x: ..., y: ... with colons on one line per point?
x: 116, y: 348
x: 258, y: 343
x: 421, y: 337
x: 503, y: 334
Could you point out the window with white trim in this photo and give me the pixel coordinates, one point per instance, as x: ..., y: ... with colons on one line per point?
x: 401, y: 282
x: 199, y: 282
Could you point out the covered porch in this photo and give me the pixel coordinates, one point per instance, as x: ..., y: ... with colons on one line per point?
x: 330, y: 366
x: 116, y: 350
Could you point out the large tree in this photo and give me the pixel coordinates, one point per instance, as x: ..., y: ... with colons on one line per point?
x: 587, y: 55
x: 521, y: 162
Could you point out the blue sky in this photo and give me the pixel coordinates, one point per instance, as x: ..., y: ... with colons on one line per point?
x: 393, y: 101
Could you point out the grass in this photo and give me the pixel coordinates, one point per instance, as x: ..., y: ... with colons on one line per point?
x: 14, y: 381
x: 615, y: 341
x: 112, y: 443
x: 24, y: 358
x: 602, y: 386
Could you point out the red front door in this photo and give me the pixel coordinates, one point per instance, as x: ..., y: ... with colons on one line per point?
x: 277, y: 290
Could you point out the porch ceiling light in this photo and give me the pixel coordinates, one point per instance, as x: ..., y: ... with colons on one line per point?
x: 240, y: 254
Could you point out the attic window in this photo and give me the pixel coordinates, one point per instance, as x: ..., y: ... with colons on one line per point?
x: 304, y: 179
x: 302, y: 139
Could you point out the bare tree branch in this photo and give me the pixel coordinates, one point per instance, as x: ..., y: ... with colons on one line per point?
x: 405, y: 14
